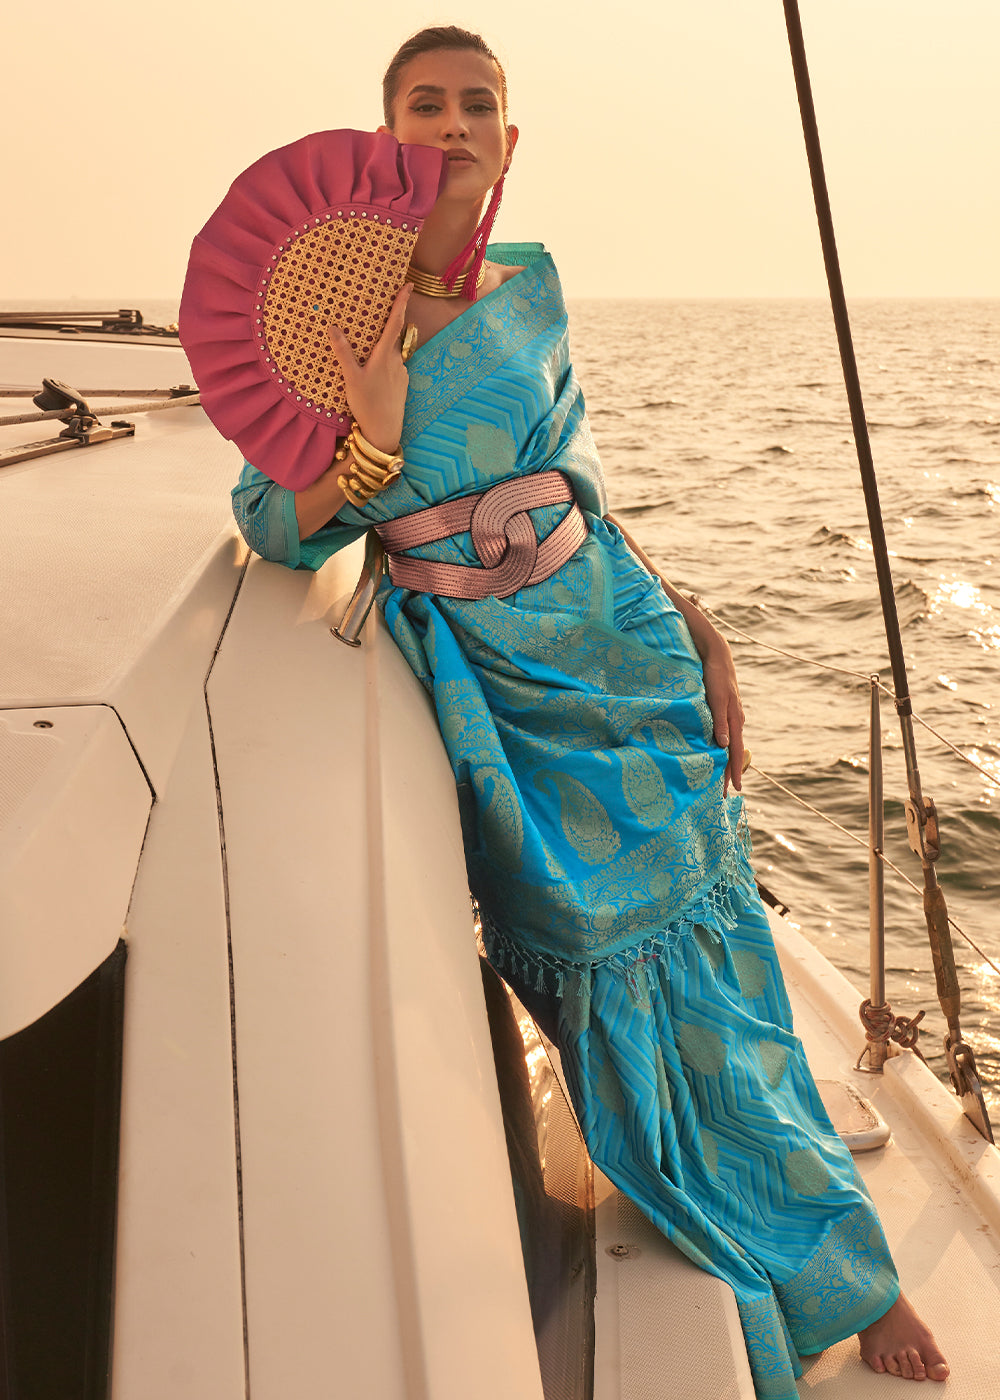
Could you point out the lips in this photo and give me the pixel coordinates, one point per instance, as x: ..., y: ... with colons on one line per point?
x: 461, y: 158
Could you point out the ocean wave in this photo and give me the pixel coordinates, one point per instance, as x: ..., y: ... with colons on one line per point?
x: 640, y: 508
x: 832, y: 539
x: 912, y: 603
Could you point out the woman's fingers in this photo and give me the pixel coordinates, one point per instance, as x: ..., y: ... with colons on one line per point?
x: 346, y: 357
x: 390, y: 338
x: 397, y: 314
x: 376, y: 390
x: 389, y: 342
x: 723, y: 697
x: 349, y: 367
x: 734, y: 769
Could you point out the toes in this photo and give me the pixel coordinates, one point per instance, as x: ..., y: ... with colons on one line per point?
x: 938, y: 1370
x: 876, y: 1363
x: 892, y: 1365
x: 916, y: 1365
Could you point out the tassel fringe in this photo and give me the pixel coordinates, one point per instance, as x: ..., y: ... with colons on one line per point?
x: 714, y: 911
x: 476, y: 247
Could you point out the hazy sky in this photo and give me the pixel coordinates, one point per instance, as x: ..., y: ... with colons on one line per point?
x: 660, y: 155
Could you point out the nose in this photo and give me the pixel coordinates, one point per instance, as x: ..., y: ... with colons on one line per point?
x: 453, y: 123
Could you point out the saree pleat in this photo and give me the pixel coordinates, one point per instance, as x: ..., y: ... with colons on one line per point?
x: 613, y: 878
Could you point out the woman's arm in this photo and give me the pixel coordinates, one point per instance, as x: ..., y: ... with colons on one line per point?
x: 721, y: 688
x: 317, y: 503
x: 265, y: 514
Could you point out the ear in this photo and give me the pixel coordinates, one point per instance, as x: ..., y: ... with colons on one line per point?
x: 383, y: 130
x: 512, y: 135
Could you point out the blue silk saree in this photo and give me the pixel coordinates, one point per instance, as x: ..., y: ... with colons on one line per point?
x: 613, y: 878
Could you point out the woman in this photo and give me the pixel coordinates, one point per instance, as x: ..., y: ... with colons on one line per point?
x: 593, y: 721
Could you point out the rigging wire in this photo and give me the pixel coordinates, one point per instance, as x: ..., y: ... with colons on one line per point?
x: 920, y: 813
x: 857, y: 675
x: 859, y: 841
x: 26, y: 392
x: 182, y: 401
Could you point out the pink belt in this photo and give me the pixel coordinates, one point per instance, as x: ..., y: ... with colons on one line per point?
x: 503, y: 535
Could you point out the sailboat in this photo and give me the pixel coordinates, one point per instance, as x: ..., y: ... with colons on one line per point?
x: 268, y: 1124
x: 258, y: 1118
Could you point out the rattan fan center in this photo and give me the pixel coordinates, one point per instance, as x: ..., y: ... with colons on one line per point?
x: 346, y: 272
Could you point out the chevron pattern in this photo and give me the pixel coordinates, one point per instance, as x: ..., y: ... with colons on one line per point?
x: 696, y: 1101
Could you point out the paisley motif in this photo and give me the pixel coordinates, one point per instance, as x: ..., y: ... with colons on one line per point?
x: 585, y: 822
x: 697, y: 769
x: 643, y: 786
x: 503, y: 831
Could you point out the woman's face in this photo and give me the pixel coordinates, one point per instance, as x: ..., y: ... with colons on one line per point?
x: 450, y: 99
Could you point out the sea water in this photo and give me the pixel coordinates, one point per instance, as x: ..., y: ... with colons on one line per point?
x: 726, y: 439
x: 725, y: 436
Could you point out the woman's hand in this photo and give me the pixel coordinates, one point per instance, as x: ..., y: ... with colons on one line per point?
x: 723, y: 695
x: 721, y: 689
x: 376, y: 390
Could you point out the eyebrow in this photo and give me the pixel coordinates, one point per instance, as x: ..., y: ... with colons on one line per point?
x: 439, y: 91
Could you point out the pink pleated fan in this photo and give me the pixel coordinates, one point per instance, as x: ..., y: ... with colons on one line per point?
x: 315, y: 233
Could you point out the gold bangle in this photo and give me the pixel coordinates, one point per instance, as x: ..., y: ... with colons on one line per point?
x: 347, y: 485
x: 369, y: 480
x: 370, y: 470
x: 380, y: 459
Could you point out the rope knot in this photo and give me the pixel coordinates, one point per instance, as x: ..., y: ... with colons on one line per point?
x: 881, y: 1026
x: 878, y: 1021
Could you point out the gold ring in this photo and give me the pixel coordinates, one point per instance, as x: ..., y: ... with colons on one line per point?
x: 410, y: 336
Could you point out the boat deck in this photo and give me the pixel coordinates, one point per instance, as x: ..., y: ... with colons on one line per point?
x: 936, y: 1184
x: 308, y: 961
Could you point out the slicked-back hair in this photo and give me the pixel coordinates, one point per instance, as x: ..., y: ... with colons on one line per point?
x: 438, y: 36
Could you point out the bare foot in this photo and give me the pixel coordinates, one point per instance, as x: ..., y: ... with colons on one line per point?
x: 899, y: 1344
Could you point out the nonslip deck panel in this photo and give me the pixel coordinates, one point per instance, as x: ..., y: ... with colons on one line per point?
x: 119, y: 570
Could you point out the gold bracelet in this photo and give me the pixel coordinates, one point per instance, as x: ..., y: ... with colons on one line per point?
x: 355, y: 499
x: 381, y: 459
x: 371, y: 471
x: 371, y: 480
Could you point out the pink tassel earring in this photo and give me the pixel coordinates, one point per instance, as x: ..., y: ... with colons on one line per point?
x: 477, y: 245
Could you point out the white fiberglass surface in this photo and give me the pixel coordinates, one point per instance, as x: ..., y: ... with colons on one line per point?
x: 69, y: 845
x: 936, y: 1185
x: 378, y: 1212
